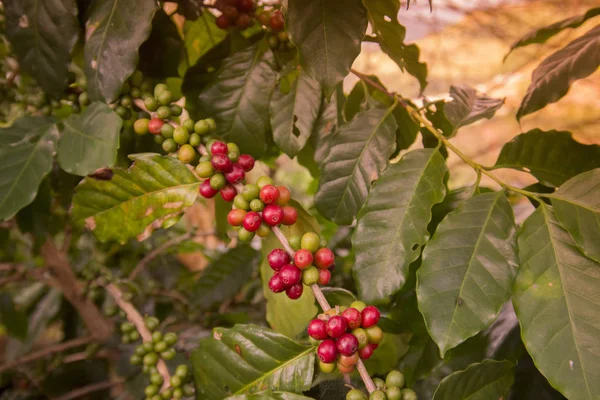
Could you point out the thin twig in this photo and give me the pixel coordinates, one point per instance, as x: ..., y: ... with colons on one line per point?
x: 157, y: 251
x: 94, y: 387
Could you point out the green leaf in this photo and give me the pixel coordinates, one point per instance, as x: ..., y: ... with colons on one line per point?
x: 551, y: 80
x: 486, y: 380
x: 26, y: 149
x: 407, y: 130
x: 115, y: 29
x: 269, y: 395
x: 338, y: 296
x: 467, y: 106
x: 553, y: 157
x: 286, y: 316
x: 15, y: 321
x: 357, y: 154
x: 389, y: 352
x: 541, y: 35
x: 422, y: 358
x: 201, y: 35
x: 89, y: 141
x: 293, y: 114
x: 383, y: 15
x: 557, y: 303
x: 135, y: 202
x: 468, y: 269
x: 238, y: 98
x: 577, y: 208
x: 249, y: 358
x: 225, y: 276
x: 328, y: 35
x: 43, y: 33
x: 392, y: 226
x: 163, y: 51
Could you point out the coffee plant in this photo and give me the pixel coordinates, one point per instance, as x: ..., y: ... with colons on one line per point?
x: 376, y: 281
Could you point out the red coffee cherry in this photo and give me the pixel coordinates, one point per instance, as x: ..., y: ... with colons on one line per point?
x: 228, y: 192
x: 324, y: 258
x: 230, y: 12
x: 317, y: 329
x: 284, y: 195
x: 327, y: 351
x: 269, y: 194
x: 222, y: 163
x: 303, y: 258
x: 236, y: 217
x: 206, y: 190
x: 295, y: 291
x: 246, y: 161
x: 347, y: 344
x: 236, y: 175
x: 246, y: 5
x: 243, y: 21
x: 324, y: 277
x: 252, y: 221
x: 290, y: 215
x: 222, y: 21
x: 336, y: 327
x: 276, y: 284
x: 344, y: 369
x: 348, y: 361
x: 278, y: 258
x: 277, y: 22
x: 353, y: 317
x: 370, y: 316
x: 154, y: 126
x: 366, y: 352
x: 218, y: 148
x: 272, y: 215
x: 290, y: 275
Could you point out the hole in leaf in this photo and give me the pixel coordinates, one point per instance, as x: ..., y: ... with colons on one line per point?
x: 415, y: 246
x: 295, y: 129
x: 459, y: 301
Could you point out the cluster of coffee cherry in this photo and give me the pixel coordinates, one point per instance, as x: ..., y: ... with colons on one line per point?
x: 240, y: 13
x: 310, y: 266
x: 390, y: 389
x: 346, y: 335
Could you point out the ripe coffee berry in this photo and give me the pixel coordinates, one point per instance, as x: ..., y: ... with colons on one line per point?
x: 228, y: 192
x: 222, y: 163
x: 245, y: 5
x: 243, y: 21
x: 154, y: 126
x: 303, y: 258
x: 290, y: 274
x: 336, y: 327
x: 317, y: 329
x: 278, y: 258
x: 366, y: 352
x: 246, y: 161
x: 327, y: 351
x: 347, y: 344
x: 348, y: 361
x: 277, y: 22
x: 345, y: 369
x: 218, y: 148
x: 324, y: 277
x: 370, y: 316
x: 236, y: 217
x: 290, y: 215
x: 206, y: 190
x: 272, y: 215
x: 236, y: 175
x: 284, y: 195
x: 276, y: 284
x: 353, y: 317
x: 252, y: 221
x: 324, y: 258
x: 295, y: 291
x: 269, y: 194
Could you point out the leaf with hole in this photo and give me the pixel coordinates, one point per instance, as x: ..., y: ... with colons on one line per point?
x: 392, y: 226
x: 250, y: 358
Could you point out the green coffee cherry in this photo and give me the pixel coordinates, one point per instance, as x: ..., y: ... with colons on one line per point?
x: 188, y: 124
x: 167, y: 131
x: 150, y: 359
x: 250, y: 192
x: 135, y: 93
x: 156, y: 379
x: 159, y: 88
x: 263, y: 181
x: 176, y: 111
x: 156, y: 337
x: 141, y: 126
x: 135, y: 359
x: 393, y: 393
x: 126, y: 101
x: 177, y: 394
x: 310, y: 276
x: 257, y: 205
x: 295, y: 241
x: 395, y: 378
x: 359, y: 305
x: 379, y: 383
x: 377, y: 395
x: 163, y: 112
x: 195, y: 140
x: 201, y: 127
x: 84, y: 99
x: 211, y: 124
x: 264, y: 230
x: 182, y: 371
x: 148, y: 347
x: 127, y: 327
x: 169, y: 145
x: 310, y: 241
x: 133, y: 336
x: 168, y: 354
x: 188, y: 390
x: 170, y: 338
x: 205, y: 169
x: 240, y: 202
x: 150, y: 390
x: 152, y: 323
x: 165, y: 97
x: 218, y: 181
x: 159, y: 139
x: 166, y: 394
x: 186, y: 154
x: 135, y: 80
x: 355, y: 394
x: 245, y: 236
x: 140, y: 351
x: 160, y: 347
x: 151, y: 103
x: 408, y: 394
x: 181, y: 135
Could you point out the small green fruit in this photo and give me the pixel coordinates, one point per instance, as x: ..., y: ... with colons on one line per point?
x: 195, y: 140
x: 181, y: 135
x: 359, y: 305
x: 310, y: 241
x: 151, y: 103
x: 408, y: 394
x: 167, y: 131
x: 159, y: 88
x: 141, y: 126
x: 395, y: 378
x: 377, y: 395
x: 170, y: 338
x: 393, y: 393
x: 201, y: 127
x: 356, y: 394
x: 218, y: 181
x: 327, y: 368
x: 186, y: 154
x: 245, y: 236
x: 379, y: 383
x: 169, y: 145
x: 176, y: 111
x: 295, y: 241
x: 165, y: 97
x: 241, y: 203
x: 250, y: 192
x: 205, y: 169
x: 263, y: 181
x: 257, y: 205
x: 188, y: 124
x: 151, y: 323
x: 310, y: 276
x: 163, y: 112
x: 150, y: 359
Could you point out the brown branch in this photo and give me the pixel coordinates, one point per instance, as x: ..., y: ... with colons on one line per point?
x: 58, y: 264
x: 94, y: 387
x: 157, y: 251
x: 47, y: 351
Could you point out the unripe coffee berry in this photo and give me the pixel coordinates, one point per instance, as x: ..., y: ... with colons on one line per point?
x: 284, y: 195
x: 327, y: 351
x: 326, y: 368
x: 252, y: 221
x: 246, y: 161
x: 393, y: 393
x: 348, y: 361
x: 290, y: 274
x: 310, y: 276
x: 303, y: 258
x: 245, y: 235
x: 264, y: 230
x: 310, y: 241
x: 181, y: 135
x: 170, y: 146
x: 370, y: 316
x: 154, y: 126
x: 239, y: 202
x: 336, y: 326
x: 394, y: 378
x: 278, y: 258
x: 374, y: 334
x: 324, y: 277
x: 250, y: 191
x: 295, y: 242
x: 408, y: 394
x: 269, y: 194
x: 188, y: 125
x: 359, y: 305
x: 236, y: 175
x: 377, y: 395
x: 222, y: 163
x: 290, y: 215
x: 218, y: 148
x: 353, y: 318
x: 272, y: 215
x: 257, y: 205
x: 206, y: 190
x: 194, y: 140
x: 140, y: 126
x: 263, y: 181
x: 317, y: 329
x: 201, y: 127
x: 347, y: 344
x: 276, y: 284
x: 324, y: 258
x: 295, y: 291
x: 186, y: 154
x: 361, y: 336
x: 217, y: 181
x: 356, y: 394
x: 228, y: 192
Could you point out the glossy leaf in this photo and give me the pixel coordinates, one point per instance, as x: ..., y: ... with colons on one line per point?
x: 577, y: 207
x: 238, y: 98
x: 551, y: 80
x: 553, y: 156
x: 249, y: 358
x: 43, y: 33
x: 286, y: 316
x: 137, y: 201
x: 557, y: 303
x: 467, y: 106
x: 27, y: 150
x: 357, y: 154
x: 468, y: 269
x: 225, y: 276
x: 163, y: 51
x: 293, y: 114
x: 392, y: 226
x: 328, y: 35
x: 201, y: 35
x: 486, y: 380
x: 383, y: 15
x: 269, y: 395
x: 89, y: 141
x: 115, y: 30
